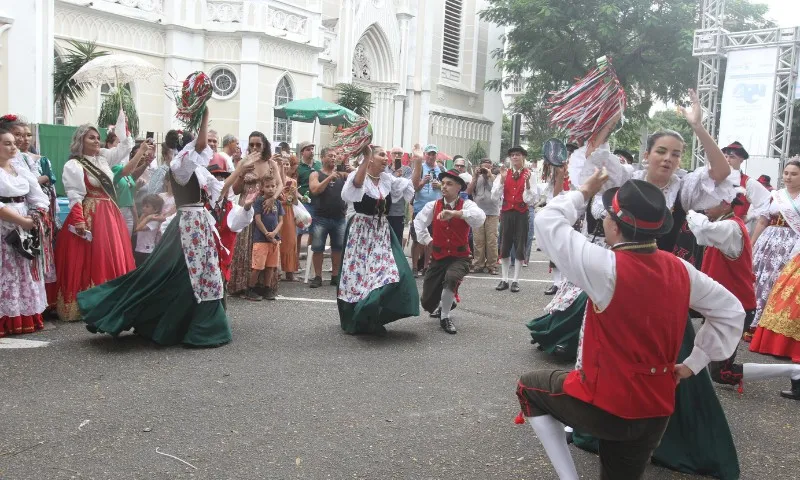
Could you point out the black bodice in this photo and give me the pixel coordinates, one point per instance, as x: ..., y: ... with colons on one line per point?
x: 186, y: 194
x: 373, y: 206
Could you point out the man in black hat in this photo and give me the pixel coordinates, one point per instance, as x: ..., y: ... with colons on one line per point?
x: 756, y: 198
x: 622, y: 389
x: 518, y: 191
x: 451, y: 217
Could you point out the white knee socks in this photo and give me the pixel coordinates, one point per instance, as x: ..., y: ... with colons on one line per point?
x: 505, y: 263
x: 447, y: 302
x: 551, y: 433
x: 761, y: 371
x: 517, y: 268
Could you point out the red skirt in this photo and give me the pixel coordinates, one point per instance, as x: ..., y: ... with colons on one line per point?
x: 20, y: 324
x: 778, y: 331
x: 81, y: 264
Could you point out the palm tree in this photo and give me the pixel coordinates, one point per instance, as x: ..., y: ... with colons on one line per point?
x: 65, y: 90
x: 352, y: 97
x: 111, y: 105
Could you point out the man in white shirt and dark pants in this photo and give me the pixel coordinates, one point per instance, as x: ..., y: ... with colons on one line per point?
x: 622, y: 389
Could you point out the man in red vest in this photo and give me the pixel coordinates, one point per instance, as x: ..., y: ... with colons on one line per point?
x: 728, y: 259
x: 451, y: 217
x: 755, y: 200
x: 518, y: 191
x: 622, y: 389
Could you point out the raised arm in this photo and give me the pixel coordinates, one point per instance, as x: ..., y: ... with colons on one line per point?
x: 202, y: 135
x: 718, y: 167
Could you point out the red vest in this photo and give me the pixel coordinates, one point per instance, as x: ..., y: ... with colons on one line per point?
x: 228, y: 239
x: 512, y: 192
x: 451, y: 238
x: 629, y: 350
x: 741, y: 210
x: 736, y: 275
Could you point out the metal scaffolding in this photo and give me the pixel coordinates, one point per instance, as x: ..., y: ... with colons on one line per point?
x: 711, y: 44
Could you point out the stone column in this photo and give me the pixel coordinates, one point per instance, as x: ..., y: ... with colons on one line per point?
x: 30, y: 47
x: 248, y: 87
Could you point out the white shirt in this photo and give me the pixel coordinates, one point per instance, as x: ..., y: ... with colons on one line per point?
x: 593, y: 269
x: 239, y: 218
x: 146, y: 239
x: 724, y: 235
x: 397, y: 187
x: 529, y: 195
x: 756, y: 194
x: 472, y: 213
x: 228, y: 161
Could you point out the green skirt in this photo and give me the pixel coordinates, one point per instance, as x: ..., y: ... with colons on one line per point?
x: 698, y: 439
x: 560, y: 328
x: 157, y: 301
x: 385, y: 304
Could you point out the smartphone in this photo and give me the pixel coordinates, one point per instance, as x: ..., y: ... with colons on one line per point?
x: 150, y: 136
x: 342, y: 167
x: 398, y: 163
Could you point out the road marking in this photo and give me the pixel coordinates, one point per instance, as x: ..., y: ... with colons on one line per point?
x: 496, y: 278
x: 302, y: 299
x: 21, y: 343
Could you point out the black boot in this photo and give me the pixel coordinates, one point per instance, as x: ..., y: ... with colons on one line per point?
x: 794, y: 393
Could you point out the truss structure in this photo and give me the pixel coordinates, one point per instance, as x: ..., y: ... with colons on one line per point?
x: 711, y: 44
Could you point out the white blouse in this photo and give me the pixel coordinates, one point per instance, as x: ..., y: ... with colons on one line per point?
x: 388, y: 185
x: 23, y: 184
x: 73, y: 175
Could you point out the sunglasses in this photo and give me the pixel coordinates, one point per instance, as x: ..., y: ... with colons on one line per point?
x: 256, y: 145
x: 461, y: 166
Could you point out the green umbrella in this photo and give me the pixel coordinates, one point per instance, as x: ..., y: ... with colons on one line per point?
x: 309, y: 110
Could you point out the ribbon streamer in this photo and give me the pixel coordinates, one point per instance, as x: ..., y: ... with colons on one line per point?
x: 584, y: 108
x: 354, y: 138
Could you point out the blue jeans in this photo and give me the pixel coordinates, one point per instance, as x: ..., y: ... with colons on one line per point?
x: 321, y: 227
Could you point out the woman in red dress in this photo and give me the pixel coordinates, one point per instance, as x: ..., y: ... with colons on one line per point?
x: 93, y: 246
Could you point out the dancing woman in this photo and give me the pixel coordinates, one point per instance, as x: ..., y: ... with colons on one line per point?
x: 93, y: 245
x: 176, y: 295
x: 22, y: 291
x: 376, y: 286
x: 698, y: 438
x: 776, y: 236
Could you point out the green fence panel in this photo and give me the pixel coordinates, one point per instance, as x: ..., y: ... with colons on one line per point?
x: 54, y: 141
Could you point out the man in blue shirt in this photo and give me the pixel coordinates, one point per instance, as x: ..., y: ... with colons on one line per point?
x: 428, y: 189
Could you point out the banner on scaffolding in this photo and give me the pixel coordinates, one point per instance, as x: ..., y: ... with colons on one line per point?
x: 746, y: 110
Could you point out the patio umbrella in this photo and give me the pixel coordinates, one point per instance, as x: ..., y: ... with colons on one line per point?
x: 443, y: 156
x: 311, y: 110
x: 118, y: 69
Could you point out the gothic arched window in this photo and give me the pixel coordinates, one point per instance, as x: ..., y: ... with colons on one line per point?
x: 283, y: 127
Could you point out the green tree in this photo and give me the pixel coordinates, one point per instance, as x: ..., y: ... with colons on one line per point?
x: 476, y: 153
x: 352, y: 97
x: 552, y: 42
x: 109, y: 110
x: 67, y: 91
x: 505, y: 137
x: 794, y: 142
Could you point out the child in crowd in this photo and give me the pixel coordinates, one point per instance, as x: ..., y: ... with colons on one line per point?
x: 148, y: 230
x: 266, y: 242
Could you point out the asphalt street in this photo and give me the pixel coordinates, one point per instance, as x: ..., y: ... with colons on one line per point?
x: 294, y: 397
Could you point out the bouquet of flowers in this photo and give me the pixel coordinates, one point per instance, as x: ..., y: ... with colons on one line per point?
x: 191, y: 99
x: 585, y: 107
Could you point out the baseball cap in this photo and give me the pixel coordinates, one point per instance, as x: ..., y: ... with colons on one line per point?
x: 304, y: 145
x: 431, y: 148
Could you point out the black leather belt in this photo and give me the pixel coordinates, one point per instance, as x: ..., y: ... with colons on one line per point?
x: 12, y: 199
x: 462, y: 248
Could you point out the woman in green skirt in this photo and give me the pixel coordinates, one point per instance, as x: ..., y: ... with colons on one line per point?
x: 176, y: 295
x: 376, y: 285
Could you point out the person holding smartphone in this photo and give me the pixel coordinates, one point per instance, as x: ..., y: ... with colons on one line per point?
x: 428, y: 188
x: 397, y: 211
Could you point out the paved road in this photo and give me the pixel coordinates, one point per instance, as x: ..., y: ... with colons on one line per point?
x: 294, y: 397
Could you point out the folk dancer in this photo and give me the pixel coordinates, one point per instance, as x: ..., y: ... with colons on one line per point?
x: 629, y: 411
x: 451, y: 217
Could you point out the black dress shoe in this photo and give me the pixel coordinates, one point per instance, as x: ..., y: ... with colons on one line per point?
x: 794, y: 393
x: 514, y: 287
x: 551, y: 290
x: 502, y: 286
x: 447, y: 325
x: 437, y: 313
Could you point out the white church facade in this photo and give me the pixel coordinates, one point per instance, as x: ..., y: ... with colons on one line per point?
x: 424, y: 62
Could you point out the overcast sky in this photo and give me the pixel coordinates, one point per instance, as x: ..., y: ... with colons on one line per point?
x: 786, y: 13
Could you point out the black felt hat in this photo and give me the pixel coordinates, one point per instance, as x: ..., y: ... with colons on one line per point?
x: 639, y: 207
x: 454, y: 174
x: 517, y: 149
x: 738, y: 149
